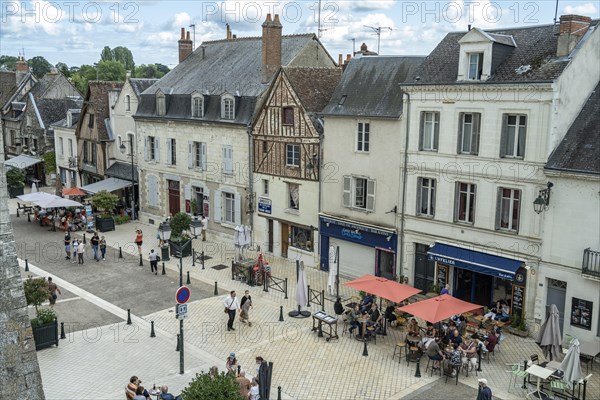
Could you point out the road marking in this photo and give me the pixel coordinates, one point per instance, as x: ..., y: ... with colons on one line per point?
x: 58, y: 301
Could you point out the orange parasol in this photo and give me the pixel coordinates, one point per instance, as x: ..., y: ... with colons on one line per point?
x: 439, y: 308
x: 383, y: 288
x: 73, y: 192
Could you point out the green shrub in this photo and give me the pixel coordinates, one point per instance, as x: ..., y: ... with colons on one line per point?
x: 50, y: 162
x: 105, y: 202
x: 36, y: 291
x: 121, y: 219
x: 179, y: 223
x: 44, y: 316
x: 15, y: 178
x: 205, y: 387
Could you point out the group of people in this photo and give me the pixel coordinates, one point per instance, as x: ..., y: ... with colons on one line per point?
x: 135, y: 391
x: 249, y: 389
x: 232, y: 305
x: 75, y: 249
x: 498, y: 312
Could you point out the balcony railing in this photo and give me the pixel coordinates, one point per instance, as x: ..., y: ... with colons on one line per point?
x: 591, y: 263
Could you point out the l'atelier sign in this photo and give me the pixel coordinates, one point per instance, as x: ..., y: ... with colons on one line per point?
x: 443, y: 260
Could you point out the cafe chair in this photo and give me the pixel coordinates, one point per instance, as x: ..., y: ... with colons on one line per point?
x: 400, y: 348
x: 559, y: 385
x: 430, y: 365
x: 456, y: 370
x: 587, y: 360
x: 413, y: 353
x: 517, y: 374
x: 372, y: 333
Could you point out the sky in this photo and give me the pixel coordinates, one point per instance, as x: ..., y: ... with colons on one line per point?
x: 74, y: 32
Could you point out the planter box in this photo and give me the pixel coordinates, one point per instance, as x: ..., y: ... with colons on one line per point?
x: 13, y: 192
x: 518, y: 332
x: 105, y: 224
x: 187, y: 249
x: 45, y: 335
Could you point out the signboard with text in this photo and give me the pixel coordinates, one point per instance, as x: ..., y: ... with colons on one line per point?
x: 581, y: 313
x: 264, y: 205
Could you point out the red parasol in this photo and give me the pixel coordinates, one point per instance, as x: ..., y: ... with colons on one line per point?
x: 73, y: 192
x: 383, y: 288
x: 439, y: 308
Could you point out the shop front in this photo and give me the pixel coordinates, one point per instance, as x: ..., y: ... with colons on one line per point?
x: 480, y: 278
x: 363, y: 249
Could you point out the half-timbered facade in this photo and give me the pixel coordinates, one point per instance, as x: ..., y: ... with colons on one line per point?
x: 287, y: 156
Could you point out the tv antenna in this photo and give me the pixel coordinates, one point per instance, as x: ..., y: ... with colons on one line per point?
x: 377, y: 30
x: 353, y: 46
x: 193, y: 26
x: 319, y: 29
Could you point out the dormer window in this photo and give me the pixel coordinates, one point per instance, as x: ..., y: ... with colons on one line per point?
x: 69, y: 118
x: 475, y: 66
x: 227, y: 107
x: 197, y: 106
x: 161, y: 107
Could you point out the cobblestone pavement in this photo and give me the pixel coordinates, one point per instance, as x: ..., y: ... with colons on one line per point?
x: 306, y: 366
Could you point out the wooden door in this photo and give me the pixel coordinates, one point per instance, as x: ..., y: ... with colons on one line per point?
x: 285, y: 237
x: 174, y: 197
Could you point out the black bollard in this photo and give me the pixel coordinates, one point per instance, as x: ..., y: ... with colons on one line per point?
x: 187, y: 282
x: 239, y: 370
x: 62, y: 331
x: 120, y: 252
x: 28, y: 217
x: 418, y: 371
x: 177, y: 349
x: 278, y: 392
x: 18, y: 212
x: 216, y: 290
x: 141, y: 262
x: 285, y: 289
x: 524, y: 378
x: 308, y: 298
x: 202, y: 259
x: 152, y: 334
x: 26, y: 265
x: 479, y: 360
x: 128, y: 316
x: 281, y: 314
x: 84, y: 242
x: 320, y: 330
x: 365, y: 351
x: 163, y: 271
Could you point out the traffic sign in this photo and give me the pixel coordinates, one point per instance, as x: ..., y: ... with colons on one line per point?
x: 181, y: 311
x: 182, y: 295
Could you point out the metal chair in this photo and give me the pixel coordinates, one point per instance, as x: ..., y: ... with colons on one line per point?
x: 456, y: 369
x: 517, y: 373
x: 400, y: 347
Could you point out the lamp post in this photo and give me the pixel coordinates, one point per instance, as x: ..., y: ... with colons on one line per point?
x: 164, y: 231
x: 196, y: 227
x: 123, y: 149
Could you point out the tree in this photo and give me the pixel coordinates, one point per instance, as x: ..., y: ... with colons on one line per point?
x: 81, y: 76
x: 147, y: 71
x: 15, y: 178
x: 40, y: 66
x: 8, y: 62
x: 111, y: 71
x: 107, y: 54
x: 64, y: 68
x: 36, y: 292
x: 206, y: 387
x: 124, y: 56
x: 179, y: 223
x: 105, y: 201
x: 163, y: 69
x: 50, y: 162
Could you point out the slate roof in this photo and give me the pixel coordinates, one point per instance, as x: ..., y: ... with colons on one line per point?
x: 579, y: 150
x: 372, y: 86
x: 140, y: 84
x: 314, y: 86
x: 75, y: 117
x: 536, y: 46
x: 122, y: 171
x: 97, y: 95
x: 53, y: 110
x: 8, y: 85
x: 228, y: 66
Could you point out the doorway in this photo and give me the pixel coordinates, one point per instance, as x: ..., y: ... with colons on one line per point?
x: 174, y: 197
x: 557, y: 294
x: 285, y: 238
x: 385, y: 263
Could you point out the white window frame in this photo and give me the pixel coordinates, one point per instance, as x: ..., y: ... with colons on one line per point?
x: 467, y: 127
x: 228, y: 107
x: 478, y: 66
x: 507, y: 207
x: 293, y: 204
x: 518, y: 128
x: 197, y: 106
x: 363, y: 131
x: 350, y: 191
x: 431, y: 123
x: 469, y: 192
x: 294, y: 160
x: 60, y: 147
x: 152, y: 148
x: 426, y: 192
x: 199, y: 155
x: 228, y: 159
x: 228, y: 198
x: 171, y: 151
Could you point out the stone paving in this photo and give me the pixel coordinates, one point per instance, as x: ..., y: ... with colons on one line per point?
x: 307, y: 367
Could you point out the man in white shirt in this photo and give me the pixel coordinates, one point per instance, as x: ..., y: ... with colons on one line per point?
x: 232, y: 305
x: 204, y: 222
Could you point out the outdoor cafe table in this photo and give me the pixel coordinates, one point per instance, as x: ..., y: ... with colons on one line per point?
x: 413, y: 341
x: 540, y: 373
x: 363, y: 321
x: 589, y: 350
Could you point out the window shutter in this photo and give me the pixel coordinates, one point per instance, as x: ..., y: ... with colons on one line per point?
x: 187, y: 192
x: 503, y: 135
x: 206, y: 203
x: 522, y: 138
x: 238, y: 210
x: 419, y: 185
x: 461, y: 118
x: 436, y: 130
x: 498, y: 207
x: 217, y: 206
x: 191, y: 161
x: 169, y: 152
x: 456, y: 200
x: 421, y: 130
x: 347, y: 191
x: 370, y: 195
x: 156, y: 150
x: 203, y: 156
x: 518, y: 212
x: 475, y: 134
x: 146, y: 150
x: 152, y: 190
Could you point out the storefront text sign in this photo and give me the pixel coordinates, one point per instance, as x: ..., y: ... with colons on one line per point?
x: 264, y: 205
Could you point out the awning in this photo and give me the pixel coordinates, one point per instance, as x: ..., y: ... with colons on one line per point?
x: 122, y: 171
x: 474, y: 261
x: 109, y: 184
x: 22, y: 161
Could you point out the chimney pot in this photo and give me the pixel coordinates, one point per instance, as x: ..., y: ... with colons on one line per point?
x: 348, y: 57
x: 271, y: 48
x: 340, y: 58
x: 268, y: 18
x: 182, y: 33
x: 228, y: 34
x: 469, y: 27
x: 276, y: 20
x: 572, y: 29
x: 363, y: 47
x: 185, y: 45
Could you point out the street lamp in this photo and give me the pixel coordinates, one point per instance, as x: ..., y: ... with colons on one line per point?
x: 123, y: 149
x: 543, y: 200
x: 196, y: 227
x: 164, y: 231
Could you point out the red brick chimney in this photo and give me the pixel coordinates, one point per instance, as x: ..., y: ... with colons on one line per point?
x: 185, y: 45
x: 572, y: 29
x: 271, y: 47
x: 229, y: 35
x: 22, y: 69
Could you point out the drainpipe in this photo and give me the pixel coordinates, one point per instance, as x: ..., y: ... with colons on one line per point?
x: 250, y: 180
x: 404, y: 176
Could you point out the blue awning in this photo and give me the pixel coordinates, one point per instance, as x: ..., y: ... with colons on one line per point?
x: 475, y: 261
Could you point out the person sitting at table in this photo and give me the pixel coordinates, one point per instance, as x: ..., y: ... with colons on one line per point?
x: 353, y: 316
x: 462, y: 325
x: 390, y: 316
x: 494, y: 310
x: 375, y: 317
x: 366, y: 303
x: 139, y: 393
x: 231, y: 363
x: 338, y: 307
x: 490, y: 341
x: 452, y: 361
x: 504, y: 315
x: 46, y: 219
x: 434, y: 353
x: 413, y: 327
x: 165, y: 395
x: 469, y: 353
x: 456, y: 338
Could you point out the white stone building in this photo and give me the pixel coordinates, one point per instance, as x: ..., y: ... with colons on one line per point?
x: 65, y: 145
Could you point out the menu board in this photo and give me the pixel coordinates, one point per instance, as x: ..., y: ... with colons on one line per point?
x: 581, y: 313
x: 518, y: 295
x: 442, y: 275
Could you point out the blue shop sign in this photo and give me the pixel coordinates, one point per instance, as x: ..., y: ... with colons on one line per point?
x: 361, y: 234
x: 264, y: 205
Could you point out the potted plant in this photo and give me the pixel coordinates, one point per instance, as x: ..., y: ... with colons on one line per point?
x: 15, y: 180
x: 434, y: 291
x: 518, y: 326
x: 213, y: 387
x: 105, y: 202
x: 44, y: 325
x: 180, y: 240
x: 194, y: 207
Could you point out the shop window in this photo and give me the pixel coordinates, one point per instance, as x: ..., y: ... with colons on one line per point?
x: 301, y: 238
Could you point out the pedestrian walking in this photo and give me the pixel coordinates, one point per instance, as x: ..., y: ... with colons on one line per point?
x: 246, y: 304
x: 75, y: 247
x: 80, y: 251
x: 103, y: 248
x: 485, y: 393
x: 204, y: 222
x: 68, y: 245
x: 139, y: 239
x: 53, y: 292
x: 95, y: 242
x: 154, y: 259
x: 231, y: 306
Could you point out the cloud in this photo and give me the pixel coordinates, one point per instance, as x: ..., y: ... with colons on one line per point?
x: 587, y: 9
x: 371, y: 5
